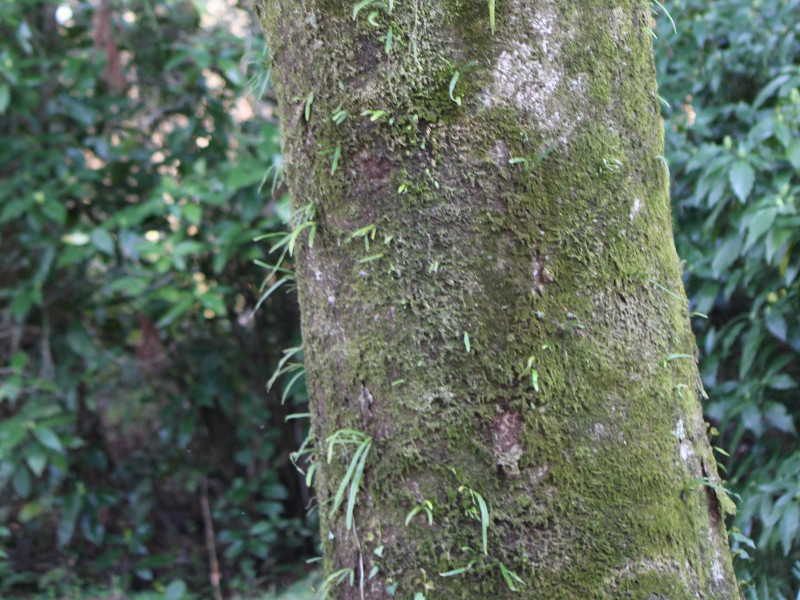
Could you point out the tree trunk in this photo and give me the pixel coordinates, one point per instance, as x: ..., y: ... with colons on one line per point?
x: 494, y: 323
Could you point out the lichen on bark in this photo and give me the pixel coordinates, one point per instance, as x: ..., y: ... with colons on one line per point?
x: 507, y: 335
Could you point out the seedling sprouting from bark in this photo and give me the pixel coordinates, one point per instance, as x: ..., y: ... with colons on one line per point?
x: 426, y: 507
x: 336, y: 578
x: 301, y: 219
x: 355, y: 469
x: 367, y: 232
x: 480, y: 512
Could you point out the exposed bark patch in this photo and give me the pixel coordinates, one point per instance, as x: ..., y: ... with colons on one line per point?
x: 666, y: 571
x: 367, y: 59
x: 506, y: 431
x: 637, y: 206
x: 365, y: 401
x: 541, y: 275
x: 527, y: 82
x: 499, y: 153
x: 372, y: 169
x: 529, y: 73
x: 537, y: 474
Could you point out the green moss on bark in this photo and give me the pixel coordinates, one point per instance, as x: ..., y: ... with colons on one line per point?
x: 557, y: 265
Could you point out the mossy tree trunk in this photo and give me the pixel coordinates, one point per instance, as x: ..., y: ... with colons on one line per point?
x: 493, y: 298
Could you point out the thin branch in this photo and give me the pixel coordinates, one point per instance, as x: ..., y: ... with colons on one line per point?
x: 215, y: 576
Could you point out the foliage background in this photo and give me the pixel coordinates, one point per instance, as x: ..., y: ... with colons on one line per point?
x: 136, y: 171
x: 139, y: 160
x: 731, y: 75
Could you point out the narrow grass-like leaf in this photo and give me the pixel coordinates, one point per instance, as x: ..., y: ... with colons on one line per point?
x: 355, y: 482
x: 280, y: 370
x: 454, y: 572
x: 491, y: 15
x: 666, y: 291
x: 293, y: 236
x: 343, y: 484
x: 672, y: 357
x: 388, y: 46
x: 294, y: 416
x: 359, y: 5
x: 484, y: 521
x: 669, y: 16
x: 458, y: 571
x: 546, y: 151
x: 267, y: 294
x: 510, y: 577
x: 300, y: 373
x: 309, y: 102
x: 453, y: 82
x: 335, y: 160
x: 412, y: 513
x: 334, y: 578
x: 466, y: 342
x: 663, y: 160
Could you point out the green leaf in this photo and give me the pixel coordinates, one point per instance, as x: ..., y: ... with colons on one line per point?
x: 388, y: 45
x: 793, y: 153
x: 69, y: 517
x: 48, y: 438
x: 458, y: 571
x: 726, y: 255
x: 5, y: 97
x: 309, y: 102
x: 102, y: 240
x: 352, y: 493
x: 244, y: 175
x: 192, y: 212
x: 776, y: 325
x: 359, y: 5
x: 782, y: 381
x: 788, y: 527
x: 335, y: 160
x: 776, y: 416
x: 453, y: 82
x: 36, y: 460
x: 776, y: 238
x: 175, y: 590
x: 758, y: 224
x: 176, y: 311
x: 21, y: 482
x: 484, y: 522
x: 466, y: 341
x: 741, y: 177
x: 752, y: 340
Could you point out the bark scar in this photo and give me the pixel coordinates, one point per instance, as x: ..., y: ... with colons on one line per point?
x: 506, y: 431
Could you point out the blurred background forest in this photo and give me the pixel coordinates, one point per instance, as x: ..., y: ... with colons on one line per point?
x: 141, y: 454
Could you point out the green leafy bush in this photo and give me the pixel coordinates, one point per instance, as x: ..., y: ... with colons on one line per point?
x: 731, y: 75
x: 136, y: 173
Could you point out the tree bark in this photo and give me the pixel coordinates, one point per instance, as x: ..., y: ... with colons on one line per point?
x: 494, y: 301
